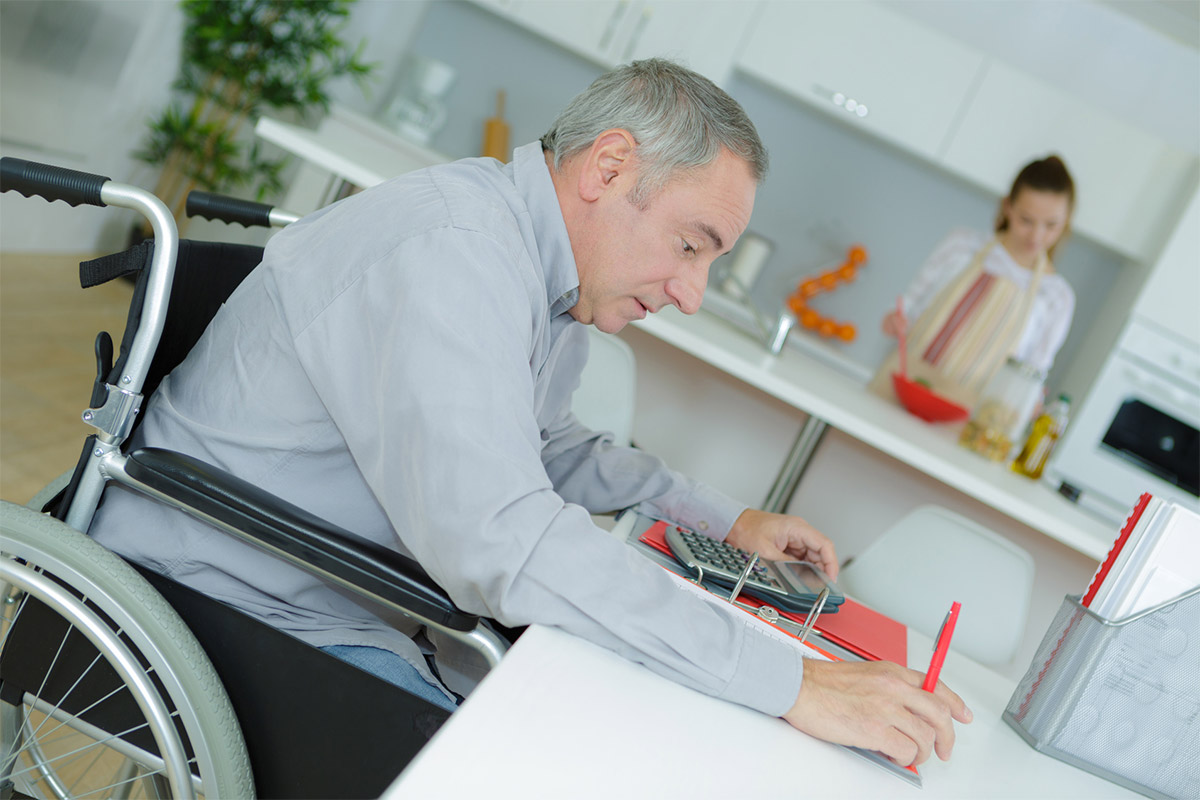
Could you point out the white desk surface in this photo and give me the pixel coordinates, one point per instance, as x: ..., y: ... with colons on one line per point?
x: 815, y: 387
x: 561, y: 717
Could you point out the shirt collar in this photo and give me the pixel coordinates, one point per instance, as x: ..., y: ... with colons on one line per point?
x: 532, y: 179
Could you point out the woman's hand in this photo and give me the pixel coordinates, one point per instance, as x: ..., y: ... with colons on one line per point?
x: 891, y: 325
x: 780, y: 537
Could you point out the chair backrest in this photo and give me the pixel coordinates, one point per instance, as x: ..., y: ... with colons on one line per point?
x: 933, y: 557
x: 604, y: 400
x: 206, y: 273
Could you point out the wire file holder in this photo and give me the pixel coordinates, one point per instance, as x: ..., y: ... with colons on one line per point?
x: 1118, y: 698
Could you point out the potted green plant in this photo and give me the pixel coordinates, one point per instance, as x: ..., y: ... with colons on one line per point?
x: 239, y: 58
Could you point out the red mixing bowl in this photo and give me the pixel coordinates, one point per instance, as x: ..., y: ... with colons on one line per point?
x: 923, y: 402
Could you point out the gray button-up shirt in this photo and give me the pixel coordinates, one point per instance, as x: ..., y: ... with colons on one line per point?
x: 402, y: 364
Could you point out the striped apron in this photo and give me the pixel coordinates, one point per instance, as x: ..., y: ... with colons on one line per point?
x: 972, y: 326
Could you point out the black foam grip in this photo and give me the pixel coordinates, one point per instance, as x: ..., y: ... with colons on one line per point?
x: 53, y: 183
x: 228, y: 209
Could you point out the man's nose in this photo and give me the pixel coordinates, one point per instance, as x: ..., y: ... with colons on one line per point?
x: 687, y: 290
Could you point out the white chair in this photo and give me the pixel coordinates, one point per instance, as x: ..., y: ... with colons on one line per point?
x: 932, y: 557
x: 605, y: 398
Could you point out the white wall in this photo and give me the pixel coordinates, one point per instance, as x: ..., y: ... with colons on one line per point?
x: 78, y: 80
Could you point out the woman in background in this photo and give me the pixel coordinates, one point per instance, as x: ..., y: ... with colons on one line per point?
x: 981, y: 298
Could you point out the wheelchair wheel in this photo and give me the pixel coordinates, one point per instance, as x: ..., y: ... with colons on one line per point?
x: 103, y: 690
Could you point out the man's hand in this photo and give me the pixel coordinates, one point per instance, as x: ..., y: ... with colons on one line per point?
x: 779, y: 537
x: 877, y: 706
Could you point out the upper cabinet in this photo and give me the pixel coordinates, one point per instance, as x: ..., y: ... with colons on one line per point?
x: 589, y: 27
x: 979, y: 118
x: 704, y: 34
x: 1129, y: 185
x: 867, y: 65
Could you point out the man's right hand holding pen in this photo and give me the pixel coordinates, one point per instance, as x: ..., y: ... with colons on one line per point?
x: 882, y: 706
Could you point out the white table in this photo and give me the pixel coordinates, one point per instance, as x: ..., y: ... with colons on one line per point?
x: 561, y: 717
x: 812, y: 385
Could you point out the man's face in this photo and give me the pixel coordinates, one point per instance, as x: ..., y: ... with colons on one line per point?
x: 640, y: 259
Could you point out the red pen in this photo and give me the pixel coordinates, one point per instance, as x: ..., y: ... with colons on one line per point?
x: 939, y: 655
x: 939, y: 649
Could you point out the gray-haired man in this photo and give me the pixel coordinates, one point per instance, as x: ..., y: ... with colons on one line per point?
x: 402, y: 364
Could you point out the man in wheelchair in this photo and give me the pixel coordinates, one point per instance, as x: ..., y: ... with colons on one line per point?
x: 402, y: 363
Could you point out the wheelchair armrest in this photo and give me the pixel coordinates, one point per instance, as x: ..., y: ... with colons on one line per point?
x: 302, y: 538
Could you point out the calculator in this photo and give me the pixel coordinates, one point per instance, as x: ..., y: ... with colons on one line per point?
x: 788, y: 585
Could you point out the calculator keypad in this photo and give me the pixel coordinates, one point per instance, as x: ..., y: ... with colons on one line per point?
x: 726, y: 560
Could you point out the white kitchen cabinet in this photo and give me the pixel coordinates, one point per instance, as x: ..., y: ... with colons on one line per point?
x: 588, y: 27
x: 704, y: 34
x: 1171, y: 295
x: 864, y: 64
x: 1129, y: 184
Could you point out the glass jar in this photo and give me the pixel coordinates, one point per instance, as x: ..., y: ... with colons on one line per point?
x: 1004, y: 409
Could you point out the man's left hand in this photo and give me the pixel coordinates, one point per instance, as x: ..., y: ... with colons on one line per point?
x: 780, y: 537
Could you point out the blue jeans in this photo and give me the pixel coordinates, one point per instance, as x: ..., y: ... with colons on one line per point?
x: 392, y: 668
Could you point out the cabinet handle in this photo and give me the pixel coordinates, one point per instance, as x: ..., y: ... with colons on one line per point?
x: 642, y: 22
x: 613, y: 20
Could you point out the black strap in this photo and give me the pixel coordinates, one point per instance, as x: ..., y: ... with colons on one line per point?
x: 104, y: 269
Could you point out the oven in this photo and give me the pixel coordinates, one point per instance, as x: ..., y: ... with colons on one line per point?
x: 1139, y: 430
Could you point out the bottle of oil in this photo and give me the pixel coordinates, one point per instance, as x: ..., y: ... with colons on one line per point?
x: 1044, y: 434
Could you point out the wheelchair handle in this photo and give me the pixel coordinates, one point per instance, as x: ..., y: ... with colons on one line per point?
x: 31, y: 178
x: 232, y: 209
x: 228, y: 209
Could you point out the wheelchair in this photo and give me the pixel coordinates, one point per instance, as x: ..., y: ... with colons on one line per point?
x: 117, y: 682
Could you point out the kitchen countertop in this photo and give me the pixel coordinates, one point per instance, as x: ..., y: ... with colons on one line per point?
x: 817, y: 387
x: 353, y: 147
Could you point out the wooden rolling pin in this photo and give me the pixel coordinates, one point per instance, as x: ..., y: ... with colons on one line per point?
x: 495, y: 132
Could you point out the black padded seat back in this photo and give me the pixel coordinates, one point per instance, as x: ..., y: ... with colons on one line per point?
x: 206, y: 274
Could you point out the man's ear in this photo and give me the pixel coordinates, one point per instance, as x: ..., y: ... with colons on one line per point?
x: 607, y: 164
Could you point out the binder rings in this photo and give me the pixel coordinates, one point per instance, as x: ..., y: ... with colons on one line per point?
x: 856, y: 627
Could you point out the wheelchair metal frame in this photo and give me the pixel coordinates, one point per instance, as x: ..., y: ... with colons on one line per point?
x: 397, y: 588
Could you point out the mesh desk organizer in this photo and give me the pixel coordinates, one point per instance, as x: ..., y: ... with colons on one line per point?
x: 1120, y: 699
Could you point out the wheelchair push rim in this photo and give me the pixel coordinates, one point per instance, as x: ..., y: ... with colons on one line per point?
x: 135, y: 635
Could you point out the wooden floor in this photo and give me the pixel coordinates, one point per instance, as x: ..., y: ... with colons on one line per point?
x: 47, y: 327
